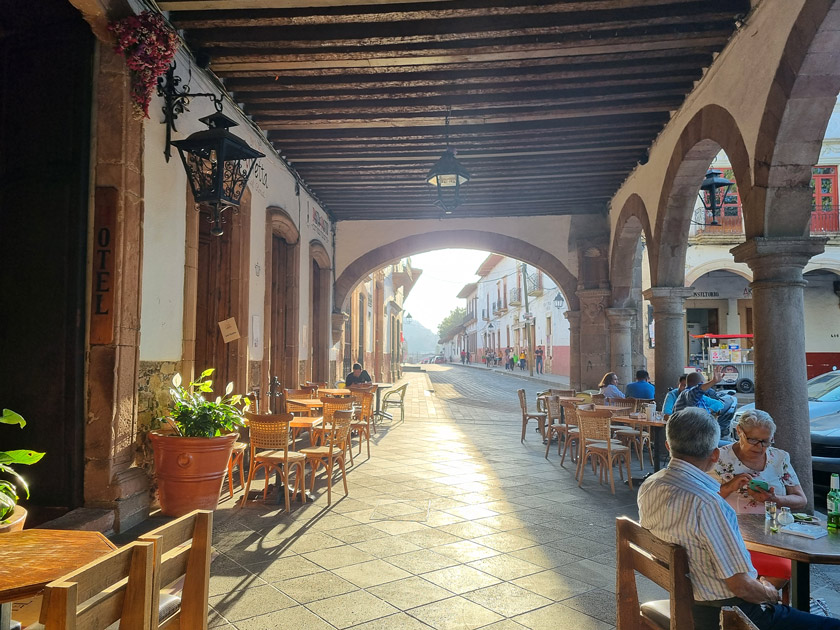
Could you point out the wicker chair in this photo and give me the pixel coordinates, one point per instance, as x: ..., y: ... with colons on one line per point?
x: 331, y: 451
x: 271, y: 432
x: 363, y: 399
x: 599, y: 447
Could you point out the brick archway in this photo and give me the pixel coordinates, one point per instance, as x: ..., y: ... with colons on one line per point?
x: 798, y: 107
x: 711, y: 129
x: 466, y: 239
x: 632, y: 223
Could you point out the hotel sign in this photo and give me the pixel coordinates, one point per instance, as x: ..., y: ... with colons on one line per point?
x: 103, y: 280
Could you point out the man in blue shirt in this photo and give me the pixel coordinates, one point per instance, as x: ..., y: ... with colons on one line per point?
x: 642, y: 388
x: 671, y: 398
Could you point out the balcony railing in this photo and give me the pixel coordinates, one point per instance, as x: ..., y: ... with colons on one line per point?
x: 499, y: 308
x: 515, y: 297
x: 485, y: 315
x: 826, y: 220
x: 535, y: 285
x: 469, y: 318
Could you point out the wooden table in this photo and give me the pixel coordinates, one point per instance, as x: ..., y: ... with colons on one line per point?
x: 341, y: 392
x: 802, y: 553
x: 305, y: 404
x: 657, y: 428
x: 31, y: 559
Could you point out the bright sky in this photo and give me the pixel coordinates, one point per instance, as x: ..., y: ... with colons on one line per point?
x: 445, y: 272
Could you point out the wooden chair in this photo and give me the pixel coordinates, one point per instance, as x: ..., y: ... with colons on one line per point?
x: 733, y: 618
x: 312, y: 389
x: 116, y: 588
x: 363, y: 407
x: 624, y: 403
x: 538, y: 416
x: 237, y: 458
x: 552, y: 392
x: 318, y: 384
x: 554, y: 423
x: 571, y: 431
x: 331, y: 405
x: 394, y: 399
x: 271, y: 432
x: 599, y: 399
x: 182, y: 563
x: 639, y: 403
x: 303, y: 392
x: 639, y: 551
x: 331, y: 451
x: 598, y: 446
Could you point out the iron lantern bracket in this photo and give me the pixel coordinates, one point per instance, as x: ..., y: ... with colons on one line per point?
x: 175, y: 103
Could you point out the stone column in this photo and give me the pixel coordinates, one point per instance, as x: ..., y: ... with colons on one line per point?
x: 593, y: 336
x: 669, y: 328
x: 622, y: 322
x: 574, y: 348
x: 779, y: 327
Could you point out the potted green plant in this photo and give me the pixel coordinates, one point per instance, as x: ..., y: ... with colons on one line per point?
x: 12, y: 515
x: 191, y: 459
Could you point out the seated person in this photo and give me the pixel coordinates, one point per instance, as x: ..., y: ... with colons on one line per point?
x: 609, y: 386
x: 641, y: 389
x: 357, y: 377
x: 752, y: 457
x: 680, y: 504
x: 696, y: 394
x: 671, y: 398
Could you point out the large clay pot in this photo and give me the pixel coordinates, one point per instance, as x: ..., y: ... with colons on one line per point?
x: 14, y: 522
x: 190, y: 471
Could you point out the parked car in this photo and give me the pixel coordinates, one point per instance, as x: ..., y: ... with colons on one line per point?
x: 824, y: 411
x: 439, y: 359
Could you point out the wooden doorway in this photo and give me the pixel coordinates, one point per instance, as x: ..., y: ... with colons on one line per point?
x: 283, y: 312
x: 319, y: 320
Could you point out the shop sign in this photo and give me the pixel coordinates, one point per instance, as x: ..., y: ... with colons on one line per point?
x: 320, y: 224
x: 259, y: 179
x: 103, y: 281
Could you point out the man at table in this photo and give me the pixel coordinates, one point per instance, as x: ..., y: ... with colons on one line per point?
x: 671, y: 397
x: 357, y: 377
x: 680, y: 504
x: 641, y: 389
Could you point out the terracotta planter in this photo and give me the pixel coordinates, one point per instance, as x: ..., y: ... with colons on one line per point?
x: 190, y: 471
x: 15, y: 521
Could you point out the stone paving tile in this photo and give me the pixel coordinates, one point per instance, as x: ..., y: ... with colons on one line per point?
x: 461, y: 578
x: 410, y: 592
x: 343, y: 611
x: 372, y: 573
x: 455, y: 613
x: 421, y: 561
x: 560, y: 616
x: 400, y: 621
x: 296, y: 617
x: 508, y: 599
x: 251, y: 602
x: 315, y: 586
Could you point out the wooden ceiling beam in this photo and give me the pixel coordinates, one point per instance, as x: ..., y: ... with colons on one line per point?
x: 463, y: 156
x: 240, y: 61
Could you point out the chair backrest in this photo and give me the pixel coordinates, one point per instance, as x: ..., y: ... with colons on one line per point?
x: 553, y: 409
x: 98, y: 594
x: 303, y: 392
x: 599, y: 399
x: 733, y: 618
x: 666, y: 564
x: 312, y: 389
x: 570, y: 412
x: 561, y: 392
x: 397, y: 393
x: 318, y: 384
x: 333, y: 404
x: 269, y: 431
x: 363, y: 396
x: 628, y: 403
x: 182, y: 555
x: 639, y: 403
x: 338, y: 431
x: 523, y: 403
x: 594, y: 425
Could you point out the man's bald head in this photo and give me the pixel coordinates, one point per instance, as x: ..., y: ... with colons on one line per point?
x: 695, y: 378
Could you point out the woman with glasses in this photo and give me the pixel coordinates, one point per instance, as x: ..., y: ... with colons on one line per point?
x: 754, y: 457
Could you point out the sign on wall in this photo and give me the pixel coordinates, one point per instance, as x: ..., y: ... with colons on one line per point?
x: 103, y: 280
x: 320, y: 224
x: 230, y: 332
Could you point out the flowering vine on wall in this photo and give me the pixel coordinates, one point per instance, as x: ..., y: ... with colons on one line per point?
x: 148, y: 44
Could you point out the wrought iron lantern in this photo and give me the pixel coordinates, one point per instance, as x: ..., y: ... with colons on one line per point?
x: 713, y: 192
x: 218, y: 166
x: 490, y: 327
x: 559, y: 300
x: 446, y: 176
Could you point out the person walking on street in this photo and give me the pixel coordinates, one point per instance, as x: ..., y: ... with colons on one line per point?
x: 538, y: 359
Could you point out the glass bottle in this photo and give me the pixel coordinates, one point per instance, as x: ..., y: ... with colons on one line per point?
x: 785, y: 517
x: 833, y: 503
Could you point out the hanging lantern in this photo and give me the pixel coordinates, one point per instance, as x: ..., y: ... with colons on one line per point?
x: 713, y: 192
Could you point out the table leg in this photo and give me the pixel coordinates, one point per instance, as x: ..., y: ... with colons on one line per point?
x: 5, y: 616
x: 658, y: 443
x: 800, y: 585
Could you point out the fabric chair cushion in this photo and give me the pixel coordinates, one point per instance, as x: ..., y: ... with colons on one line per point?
x: 658, y: 611
x: 169, y: 604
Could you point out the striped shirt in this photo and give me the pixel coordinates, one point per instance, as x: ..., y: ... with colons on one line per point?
x: 680, y: 504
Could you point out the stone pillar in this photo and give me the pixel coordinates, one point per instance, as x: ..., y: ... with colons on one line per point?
x: 574, y: 348
x: 593, y: 336
x: 669, y: 328
x: 622, y: 324
x: 779, y: 327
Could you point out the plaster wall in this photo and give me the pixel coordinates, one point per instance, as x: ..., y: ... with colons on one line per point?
x: 738, y: 81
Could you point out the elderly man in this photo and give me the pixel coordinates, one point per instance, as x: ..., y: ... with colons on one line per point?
x: 680, y: 504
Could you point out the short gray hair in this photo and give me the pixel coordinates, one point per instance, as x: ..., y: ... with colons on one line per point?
x: 692, y: 432
x: 758, y: 419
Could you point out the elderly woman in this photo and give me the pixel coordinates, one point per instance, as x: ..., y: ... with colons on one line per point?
x: 609, y: 386
x: 753, y: 457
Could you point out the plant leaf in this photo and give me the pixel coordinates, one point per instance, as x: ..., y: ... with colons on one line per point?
x: 207, y: 372
x: 10, y: 417
x: 20, y: 457
x: 176, y: 380
x: 229, y: 388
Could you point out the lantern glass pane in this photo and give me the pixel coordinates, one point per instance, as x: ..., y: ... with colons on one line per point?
x: 236, y: 178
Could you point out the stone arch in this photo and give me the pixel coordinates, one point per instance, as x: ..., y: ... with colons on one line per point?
x: 721, y: 264
x: 799, y: 105
x: 282, y: 224
x: 820, y: 265
x: 632, y: 222
x: 711, y: 129
x: 319, y: 254
x: 467, y: 239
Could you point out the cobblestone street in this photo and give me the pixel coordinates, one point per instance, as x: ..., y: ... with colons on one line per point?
x: 451, y: 524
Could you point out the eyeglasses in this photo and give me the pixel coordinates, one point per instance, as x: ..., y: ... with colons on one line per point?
x: 756, y: 442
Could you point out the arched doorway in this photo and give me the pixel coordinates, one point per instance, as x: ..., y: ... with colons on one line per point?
x: 319, y: 313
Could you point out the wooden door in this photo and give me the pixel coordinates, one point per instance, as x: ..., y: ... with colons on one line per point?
x: 282, y: 335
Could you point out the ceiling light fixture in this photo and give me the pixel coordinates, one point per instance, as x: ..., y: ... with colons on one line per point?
x: 447, y: 175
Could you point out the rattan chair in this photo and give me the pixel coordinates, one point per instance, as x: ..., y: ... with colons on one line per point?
x: 624, y: 403
x: 331, y: 405
x: 570, y: 431
x: 363, y: 407
x: 331, y: 451
x: 554, y: 423
x: 236, y: 459
x: 271, y: 432
x: 599, y: 447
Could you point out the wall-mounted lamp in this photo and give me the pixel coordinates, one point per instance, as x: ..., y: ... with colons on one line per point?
x: 715, y: 188
x: 559, y: 300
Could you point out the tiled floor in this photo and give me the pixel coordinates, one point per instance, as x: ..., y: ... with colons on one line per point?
x: 451, y: 524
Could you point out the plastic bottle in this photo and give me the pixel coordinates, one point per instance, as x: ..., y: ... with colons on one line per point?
x: 833, y: 503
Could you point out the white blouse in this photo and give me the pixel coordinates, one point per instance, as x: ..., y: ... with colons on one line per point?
x: 778, y: 473
x: 611, y: 391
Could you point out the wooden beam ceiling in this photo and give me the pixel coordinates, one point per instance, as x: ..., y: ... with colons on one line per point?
x: 552, y: 103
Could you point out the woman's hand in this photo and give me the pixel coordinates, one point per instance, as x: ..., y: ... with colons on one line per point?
x: 760, y: 496
x: 733, y: 485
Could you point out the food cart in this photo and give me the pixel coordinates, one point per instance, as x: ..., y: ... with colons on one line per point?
x: 729, y: 359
